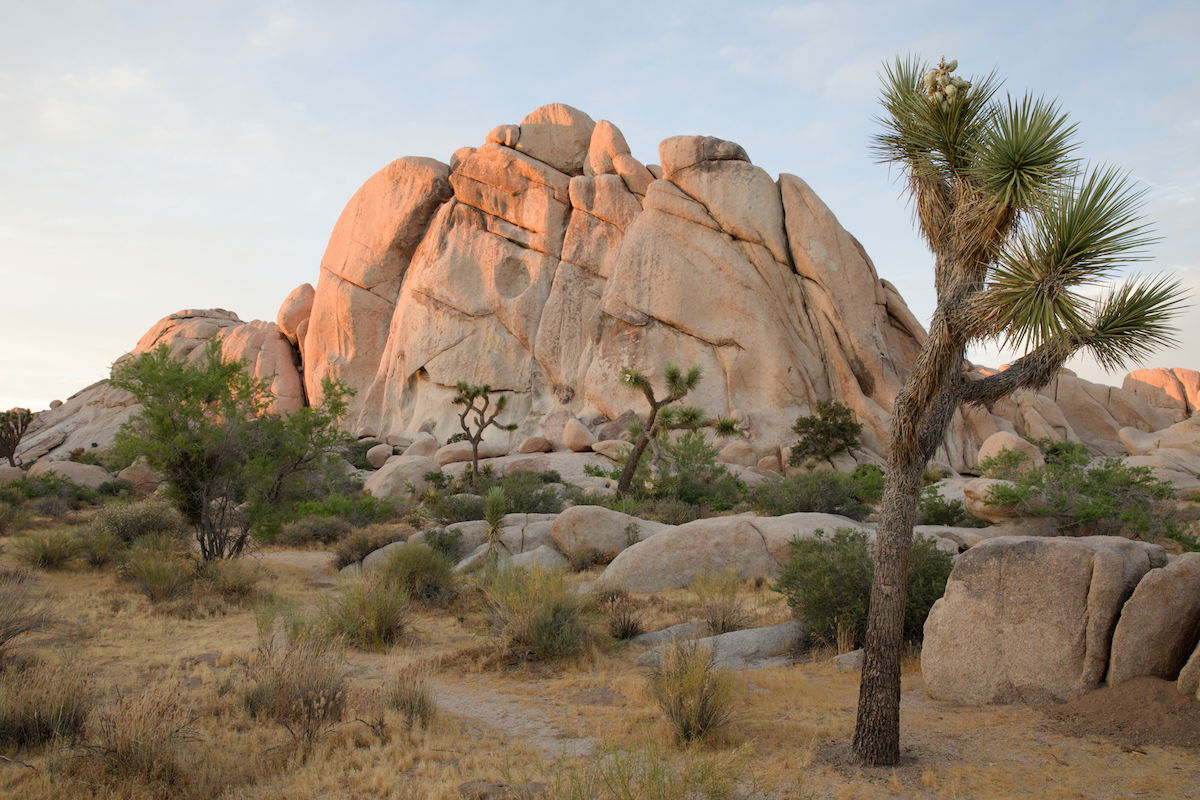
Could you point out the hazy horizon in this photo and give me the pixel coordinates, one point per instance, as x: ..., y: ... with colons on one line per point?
x: 177, y: 156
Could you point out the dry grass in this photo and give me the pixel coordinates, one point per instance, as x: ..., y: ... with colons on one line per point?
x: 508, y: 724
x: 695, y: 696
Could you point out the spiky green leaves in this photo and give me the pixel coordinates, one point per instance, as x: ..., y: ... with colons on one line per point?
x: 1134, y: 320
x: 13, y: 424
x: 1024, y: 153
x: 1077, y: 238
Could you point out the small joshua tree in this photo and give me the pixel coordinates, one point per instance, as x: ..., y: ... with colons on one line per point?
x: 13, y: 425
x: 662, y: 418
x: 477, y: 400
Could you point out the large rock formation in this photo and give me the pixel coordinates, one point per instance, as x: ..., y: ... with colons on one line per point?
x: 549, y: 259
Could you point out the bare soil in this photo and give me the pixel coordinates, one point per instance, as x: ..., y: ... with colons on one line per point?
x: 1143, y: 711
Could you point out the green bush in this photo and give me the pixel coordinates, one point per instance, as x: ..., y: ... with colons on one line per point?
x: 425, y: 574
x: 357, y: 510
x: 361, y: 543
x: 868, y: 482
x: 933, y: 509
x: 314, y: 530
x: 369, y: 612
x: 159, y: 575
x: 694, y: 694
x: 458, y: 507
x: 56, y: 493
x: 446, y: 542
x: 1086, y: 497
x: 99, y: 549
x: 537, y: 613
x: 823, y: 491
x: 693, y: 475
x: 130, y: 521
x: 832, y: 430
x: 47, y: 549
x: 528, y: 492
x: 827, y: 583
x: 43, y: 703
x: 669, y: 511
x: 1006, y: 465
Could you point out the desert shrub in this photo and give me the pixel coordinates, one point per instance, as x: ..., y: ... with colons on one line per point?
x: 130, y: 521
x: 361, y: 543
x: 314, y: 530
x: 408, y: 692
x: 868, y: 483
x: 51, y: 486
x: 1086, y: 497
x: 692, y: 692
x: 140, y: 736
x: 1005, y: 465
x: 528, y: 492
x: 357, y: 510
x: 354, y: 451
x: 159, y: 575
x: 117, y: 487
x: 626, y: 504
x: 43, y: 702
x: 300, y: 685
x: 423, y: 573
x: 450, y: 508
x: 650, y: 774
x: 823, y: 491
x: 47, y: 549
x: 622, y: 614
x: 369, y: 612
x: 719, y: 604
x: 933, y: 509
x: 832, y: 430
x: 692, y: 475
x: 235, y: 581
x: 447, y: 542
x: 827, y: 583
x: 670, y: 511
x: 10, y: 517
x: 537, y: 614
x: 99, y: 549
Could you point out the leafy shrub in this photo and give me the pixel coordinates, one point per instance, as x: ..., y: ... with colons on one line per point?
x: 409, y: 693
x: 21, y: 608
x: 933, y: 509
x: 451, y: 508
x: 1104, y: 497
x: 537, y: 614
x: 357, y: 510
x: 355, y: 452
x: 300, y: 685
x: 361, y: 543
x: 693, y: 475
x: 669, y: 511
x: 159, y: 575
x: 99, y: 549
x: 823, y: 491
x: 314, y: 530
x: 43, y: 703
x: 868, y: 483
x: 48, y: 549
x: 528, y: 492
x: 117, y: 487
x: 823, y: 435
x: 827, y: 583
x: 57, y: 490
x: 369, y: 612
x: 422, y: 572
x: 130, y: 521
x: 719, y: 603
x: 140, y: 736
x: 693, y: 693
x: 1006, y: 465
x: 447, y: 542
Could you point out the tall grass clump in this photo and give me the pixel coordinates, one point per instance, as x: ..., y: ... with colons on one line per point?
x: 48, y: 549
x: 129, y: 522
x: 160, y: 576
x: 299, y: 684
x: 719, y: 603
x: 695, y: 695
x: 43, y: 702
x: 140, y: 736
x: 22, y: 609
x: 359, y: 544
x: 649, y: 773
x: 369, y: 612
x: 537, y: 613
x: 235, y: 580
x: 408, y: 693
x: 424, y: 573
x: 622, y: 614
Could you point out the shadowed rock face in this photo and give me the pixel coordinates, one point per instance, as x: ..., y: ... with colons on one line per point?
x: 549, y: 259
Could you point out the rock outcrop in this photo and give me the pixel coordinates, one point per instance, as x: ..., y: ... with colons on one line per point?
x: 1030, y: 619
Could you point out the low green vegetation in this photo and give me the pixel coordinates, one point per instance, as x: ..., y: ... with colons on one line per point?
x: 537, y: 614
x: 831, y: 431
x: 827, y: 583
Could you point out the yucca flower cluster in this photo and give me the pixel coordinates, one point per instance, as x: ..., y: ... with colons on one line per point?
x: 942, y: 87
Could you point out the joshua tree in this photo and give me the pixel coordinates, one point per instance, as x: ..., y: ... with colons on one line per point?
x: 1020, y: 234
x: 13, y: 424
x: 662, y: 419
x: 478, y: 400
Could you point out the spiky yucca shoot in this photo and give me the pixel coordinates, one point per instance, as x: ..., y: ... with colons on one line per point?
x: 1022, y: 233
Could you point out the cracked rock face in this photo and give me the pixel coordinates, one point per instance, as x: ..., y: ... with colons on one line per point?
x: 548, y: 259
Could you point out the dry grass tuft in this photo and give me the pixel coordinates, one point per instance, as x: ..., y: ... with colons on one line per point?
x: 300, y: 685
x: 409, y: 693
x: 43, y: 702
x: 22, y: 610
x: 695, y: 695
x: 719, y: 602
x: 140, y: 736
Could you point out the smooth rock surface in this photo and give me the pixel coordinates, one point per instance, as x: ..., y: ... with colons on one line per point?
x: 744, y: 649
x: 1159, y: 626
x: 393, y: 480
x: 88, y: 475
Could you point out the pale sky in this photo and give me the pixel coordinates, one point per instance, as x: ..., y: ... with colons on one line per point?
x: 163, y: 155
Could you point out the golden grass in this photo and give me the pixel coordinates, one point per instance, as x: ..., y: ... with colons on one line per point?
x: 496, y: 720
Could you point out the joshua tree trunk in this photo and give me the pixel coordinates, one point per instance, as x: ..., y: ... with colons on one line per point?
x: 635, y: 454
